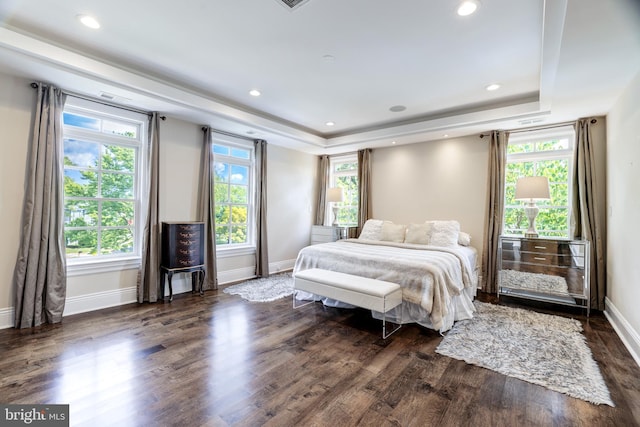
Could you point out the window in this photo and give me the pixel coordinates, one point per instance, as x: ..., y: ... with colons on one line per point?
x: 540, y: 154
x: 344, y: 174
x: 102, y: 174
x: 233, y: 192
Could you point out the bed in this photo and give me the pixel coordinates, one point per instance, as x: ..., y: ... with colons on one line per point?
x: 438, y: 281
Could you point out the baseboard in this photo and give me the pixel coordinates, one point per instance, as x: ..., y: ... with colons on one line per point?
x: 6, y: 318
x: 625, y: 331
x: 99, y: 300
x: 81, y: 304
x: 106, y: 299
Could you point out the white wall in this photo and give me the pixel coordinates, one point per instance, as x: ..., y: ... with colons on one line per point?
x: 291, y: 179
x: 444, y: 179
x: 623, y: 255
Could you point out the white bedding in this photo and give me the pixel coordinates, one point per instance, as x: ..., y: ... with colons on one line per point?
x: 438, y: 283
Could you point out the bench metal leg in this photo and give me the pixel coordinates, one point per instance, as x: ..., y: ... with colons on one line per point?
x: 300, y: 305
x: 384, y: 326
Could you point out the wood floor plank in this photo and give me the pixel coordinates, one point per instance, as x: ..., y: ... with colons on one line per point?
x: 220, y: 361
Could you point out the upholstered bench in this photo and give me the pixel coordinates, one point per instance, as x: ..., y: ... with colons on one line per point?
x: 362, y: 292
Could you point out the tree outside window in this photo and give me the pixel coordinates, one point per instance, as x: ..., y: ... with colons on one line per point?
x: 344, y: 174
x: 547, y: 155
x: 233, y: 194
x: 100, y: 176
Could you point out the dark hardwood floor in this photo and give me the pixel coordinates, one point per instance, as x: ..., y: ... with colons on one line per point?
x: 218, y: 360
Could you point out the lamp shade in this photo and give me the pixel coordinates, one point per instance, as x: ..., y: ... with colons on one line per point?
x: 334, y: 194
x: 532, y: 188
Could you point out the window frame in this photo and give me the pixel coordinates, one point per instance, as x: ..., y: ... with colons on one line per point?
x: 556, y: 133
x: 334, y: 161
x: 95, y: 109
x: 234, y: 249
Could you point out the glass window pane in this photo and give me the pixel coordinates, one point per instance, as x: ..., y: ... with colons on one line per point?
x: 518, y: 170
x: 555, y: 144
x: 350, y: 166
x: 239, y: 234
x: 515, y: 221
x: 222, y: 234
x: 514, y: 148
x: 222, y: 214
x: 239, y: 194
x: 80, y: 153
x: 79, y: 121
x: 221, y: 172
x: 559, y: 195
x: 118, y: 158
x: 239, y: 214
x: 117, y: 241
x: 80, y: 213
x: 79, y: 183
x: 117, y: 214
x: 552, y: 220
x: 220, y: 149
x: 81, y: 243
x: 118, y: 128
x: 240, y: 153
x: 221, y: 193
x: 117, y: 185
x: 239, y: 174
x: 555, y: 170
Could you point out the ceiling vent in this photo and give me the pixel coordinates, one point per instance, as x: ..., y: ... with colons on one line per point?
x: 292, y: 4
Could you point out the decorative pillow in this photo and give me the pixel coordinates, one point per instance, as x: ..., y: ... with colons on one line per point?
x: 372, y: 229
x: 418, y: 233
x: 464, y: 239
x: 444, y: 233
x: 393, y: 232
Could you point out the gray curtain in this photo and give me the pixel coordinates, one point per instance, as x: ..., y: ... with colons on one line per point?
x: 364, y: 186
x: 323, y: 184
x: 262, y: 252
x: 40, y: 276
x: 149, y: 274
x: 585, y: 212
x: 206, y: 208
x: 495, y: 202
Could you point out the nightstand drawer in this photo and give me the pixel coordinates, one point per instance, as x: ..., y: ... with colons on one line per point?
x: 541, y: 246
x: 539, y: 258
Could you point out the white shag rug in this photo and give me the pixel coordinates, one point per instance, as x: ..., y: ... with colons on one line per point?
x: 263, y: 289
x: 538, y: 348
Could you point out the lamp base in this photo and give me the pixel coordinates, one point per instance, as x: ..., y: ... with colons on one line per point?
x: 531, y: 211
x: 530, y: 235
x: 335, y: 216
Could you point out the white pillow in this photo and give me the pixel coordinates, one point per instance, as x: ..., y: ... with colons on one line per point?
x: 372, y: 229
x: 444, y: 233
x: 393, y: 232
x: 418, y: 233
x: 464, y: 239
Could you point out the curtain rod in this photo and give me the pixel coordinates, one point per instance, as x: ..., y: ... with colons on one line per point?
x: 204, y: 128
x: 543, y: 127
x: 99, y: 101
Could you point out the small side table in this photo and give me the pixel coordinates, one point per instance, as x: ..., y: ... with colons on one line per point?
x: 197, y: 279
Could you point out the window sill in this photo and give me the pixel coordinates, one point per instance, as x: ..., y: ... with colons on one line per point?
x: 82, y: 268
x: 228, y: 252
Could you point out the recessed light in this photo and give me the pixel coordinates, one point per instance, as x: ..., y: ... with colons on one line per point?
x: 89, y: 21
x: 445, y: 135
x: 397, y: 108
x: 330, y: 123
x: 393, y: 142
x: 254, y: 92
x: 250, y: 132
x: 467, y: 7
x: 493, y: 86
x: 328, y: 58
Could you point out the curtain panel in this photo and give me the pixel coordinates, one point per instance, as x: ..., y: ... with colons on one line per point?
x: 206, y: 209
x: 262, y: 252
x: 585, y: 212
x: 149, y: 273
x: 495, y: 202
x: 323, y: 184
x: 364, y: 186
x: 40, y: 278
